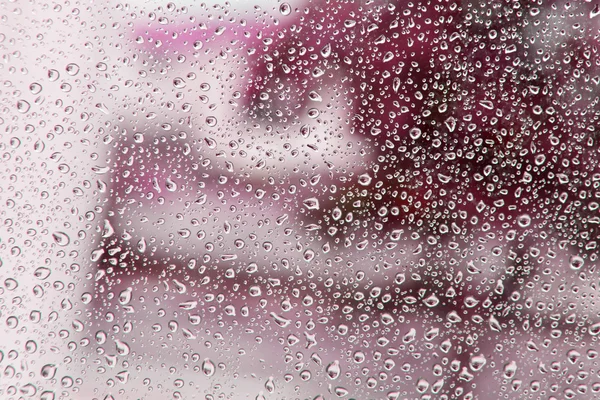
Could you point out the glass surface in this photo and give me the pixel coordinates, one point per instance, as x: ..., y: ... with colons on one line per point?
x: 299, y: 200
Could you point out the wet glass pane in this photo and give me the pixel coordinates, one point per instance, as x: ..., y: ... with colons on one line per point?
x: 307, y: 199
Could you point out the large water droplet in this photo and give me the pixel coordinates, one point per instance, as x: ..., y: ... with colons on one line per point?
x: 61, y: 238
x: 48, y: 371
x: 208, y: 367
x: 311, y: 204
x: 23, y: 106
x: 333, y: 370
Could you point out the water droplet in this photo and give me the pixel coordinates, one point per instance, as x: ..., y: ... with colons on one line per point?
x: 122, y: 347
x: 72, y: 69
x: 141, y: 246
x: 576, y: 262
x: 510, y: 369
x: 365, y: 179
x: 471, y: 301
x: 125, y: 296
x: 340, y: 391
x: 422, y: 385
x: 285, y: 9
x: 47, y: 395
x: 31, y: 346
x: 453, y: 317
x: 61, y: 238
x: 23, y: 106
x: 48, y: 371
x: 486, y: 104
x: 410, y: 336
x: 103, y: 108
x: 431, y: 301
x: 595, y: 329
x: 359, y: 357
x: 415, y: 133
x: 305, y: 131
x: 311, y: 204
x: 387, y: 319
x: 495, y: 324
x: 197, y: 45
x: 108, y: 229
x: 477, y: 362
x: 170, y: 185
x: 270, y: 385
x: 100, y: 170
x: 333, y: 370
x: 450, y: 124
x: 308, y: 255
x: 279, y: 320
x: 211, y: 121
x: 314, y: 96
x: 255, y: 291
x: 313, y: 113
x: 179, y: 83
x: 42, y: 273
x: 524, y: 220
x: 123, y: 376
x: 208, y: 367
x: 573, y: 355
x: 35, y: 88
x: 53, y: 75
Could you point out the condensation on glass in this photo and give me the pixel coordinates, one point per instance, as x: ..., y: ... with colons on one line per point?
x: 299, y: 200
